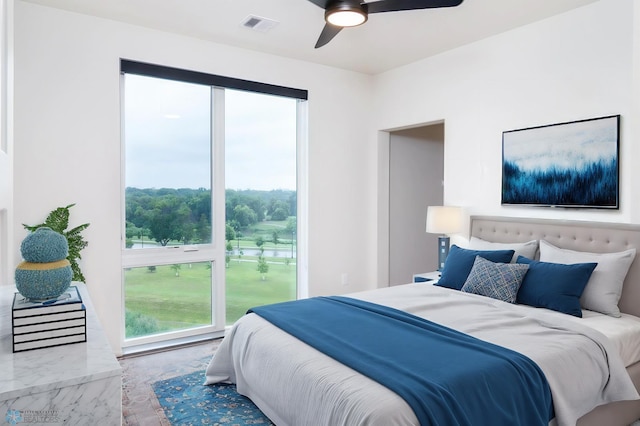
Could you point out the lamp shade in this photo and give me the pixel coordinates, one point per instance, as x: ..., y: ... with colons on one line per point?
x: 444, y: 219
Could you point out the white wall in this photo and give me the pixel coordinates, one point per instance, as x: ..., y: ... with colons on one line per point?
x: 572, y: 66
x: 6, y: 141
x: 68, y: 149
x: 634, y: 152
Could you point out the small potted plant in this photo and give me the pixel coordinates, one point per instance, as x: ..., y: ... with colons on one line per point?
x: 58, y: 221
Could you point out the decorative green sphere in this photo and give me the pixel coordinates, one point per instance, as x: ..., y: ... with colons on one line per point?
x: 43, y: 281
x: 44, y: 245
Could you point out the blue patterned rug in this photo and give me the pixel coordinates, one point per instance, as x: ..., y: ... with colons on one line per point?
x: 186, y: 401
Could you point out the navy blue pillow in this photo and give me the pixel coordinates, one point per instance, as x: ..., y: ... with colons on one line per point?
x: 460, y: 261
x: 554, y: 285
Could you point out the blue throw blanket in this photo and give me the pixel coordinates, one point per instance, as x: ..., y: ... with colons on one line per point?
x: 447, y: 377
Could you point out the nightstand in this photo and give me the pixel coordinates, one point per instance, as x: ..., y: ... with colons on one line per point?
x: 427, y: 277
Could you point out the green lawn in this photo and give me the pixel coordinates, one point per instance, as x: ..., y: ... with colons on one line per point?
x: 161, y: 301
x: 246, y: 289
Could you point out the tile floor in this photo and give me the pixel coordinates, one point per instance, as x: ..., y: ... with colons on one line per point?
x: 140, y: 406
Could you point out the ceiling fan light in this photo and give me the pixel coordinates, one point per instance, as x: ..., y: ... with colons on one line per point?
x: 346, y: 18
x: 345, y: 14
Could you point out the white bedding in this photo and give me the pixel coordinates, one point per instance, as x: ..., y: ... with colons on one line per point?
x: 294, y: 384
x: 624, y: 332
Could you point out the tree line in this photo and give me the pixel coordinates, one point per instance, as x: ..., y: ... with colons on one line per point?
x: 184, y: 215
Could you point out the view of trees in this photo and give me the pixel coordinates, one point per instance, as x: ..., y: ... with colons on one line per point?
x: 183, y: 216
x: 591, y: 184
x: 260, y: 233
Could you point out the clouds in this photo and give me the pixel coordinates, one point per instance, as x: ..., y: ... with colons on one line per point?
x: 260, y: 146
x: 168, y: 133
x: 570, y: 145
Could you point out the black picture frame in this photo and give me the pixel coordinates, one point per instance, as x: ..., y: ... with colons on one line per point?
x: 573, y: 164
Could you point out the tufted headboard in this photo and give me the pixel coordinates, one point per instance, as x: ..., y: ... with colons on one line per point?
x: 597, y: 237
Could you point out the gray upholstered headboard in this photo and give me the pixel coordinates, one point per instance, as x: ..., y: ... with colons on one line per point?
x: 594, y: 237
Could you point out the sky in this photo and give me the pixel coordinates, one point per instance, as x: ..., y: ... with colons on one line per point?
x: 167, y: 137
x: 573, y: 144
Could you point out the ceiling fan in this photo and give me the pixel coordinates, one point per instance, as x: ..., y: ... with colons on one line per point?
x: 350, y: 13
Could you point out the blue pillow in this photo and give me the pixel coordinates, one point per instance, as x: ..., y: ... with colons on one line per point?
x: 554, y: 285
x: 460, y: 261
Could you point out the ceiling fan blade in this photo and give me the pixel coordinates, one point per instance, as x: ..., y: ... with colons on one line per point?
x: 320, y: 3
x: 397, y: 5
x: 328, y: 33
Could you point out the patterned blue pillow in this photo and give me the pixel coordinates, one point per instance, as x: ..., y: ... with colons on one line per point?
x: 496, y: 280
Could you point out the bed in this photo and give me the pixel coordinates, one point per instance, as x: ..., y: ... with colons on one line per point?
x: 592, y: 362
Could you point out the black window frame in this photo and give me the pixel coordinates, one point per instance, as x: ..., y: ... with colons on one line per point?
x: 178, y: 74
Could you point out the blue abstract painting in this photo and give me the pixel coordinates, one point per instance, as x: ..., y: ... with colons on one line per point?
x: 562, y: 165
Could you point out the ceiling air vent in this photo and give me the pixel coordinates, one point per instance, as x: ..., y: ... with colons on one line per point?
x: 259, y: 23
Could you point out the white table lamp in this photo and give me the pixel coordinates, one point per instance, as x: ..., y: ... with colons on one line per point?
x: 443, y: 220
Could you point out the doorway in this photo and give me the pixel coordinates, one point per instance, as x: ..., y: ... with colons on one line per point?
x: 416, y: 172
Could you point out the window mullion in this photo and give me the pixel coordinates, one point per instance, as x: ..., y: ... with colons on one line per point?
x: 218, y: 204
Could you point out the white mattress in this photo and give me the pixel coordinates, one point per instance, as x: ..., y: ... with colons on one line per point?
x: 624, y: 333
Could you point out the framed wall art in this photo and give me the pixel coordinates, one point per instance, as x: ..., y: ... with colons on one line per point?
x: 572, y: 164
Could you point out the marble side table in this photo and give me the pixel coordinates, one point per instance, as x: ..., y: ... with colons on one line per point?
x: 75, y: 384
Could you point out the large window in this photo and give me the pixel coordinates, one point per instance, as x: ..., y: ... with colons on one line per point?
x: 210, y: 200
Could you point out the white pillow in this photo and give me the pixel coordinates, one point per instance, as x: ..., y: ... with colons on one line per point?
x: 527, y: 249
x: 604, y: 288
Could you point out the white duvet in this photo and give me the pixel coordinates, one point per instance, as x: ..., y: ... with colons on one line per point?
x: 294, y: 384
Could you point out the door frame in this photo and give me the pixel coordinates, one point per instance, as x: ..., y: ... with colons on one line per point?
x: 384, y: 196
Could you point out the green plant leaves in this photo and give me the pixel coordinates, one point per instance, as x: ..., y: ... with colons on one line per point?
x: 58, y: 220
